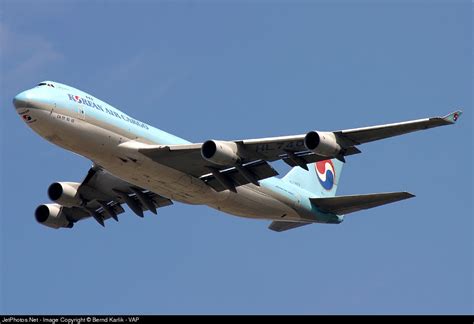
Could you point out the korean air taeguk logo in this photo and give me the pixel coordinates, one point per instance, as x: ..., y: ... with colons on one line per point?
x: 326, y: 173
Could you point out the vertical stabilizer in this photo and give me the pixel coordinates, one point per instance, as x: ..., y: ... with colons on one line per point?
x: 321, y: 180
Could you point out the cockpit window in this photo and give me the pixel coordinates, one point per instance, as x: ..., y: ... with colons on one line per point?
x: 46, y: 84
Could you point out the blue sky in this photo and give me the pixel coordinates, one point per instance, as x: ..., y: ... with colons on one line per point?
x: 244, y: 70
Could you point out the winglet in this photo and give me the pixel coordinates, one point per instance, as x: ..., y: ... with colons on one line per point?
x: 453, y: 117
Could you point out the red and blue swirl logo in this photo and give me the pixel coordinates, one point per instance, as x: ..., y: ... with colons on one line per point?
x: 326, y: 173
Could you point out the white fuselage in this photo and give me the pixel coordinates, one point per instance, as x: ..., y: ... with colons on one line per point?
x: 114, y: 148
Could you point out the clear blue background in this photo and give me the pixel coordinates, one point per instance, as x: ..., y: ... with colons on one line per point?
x: 242, y: 70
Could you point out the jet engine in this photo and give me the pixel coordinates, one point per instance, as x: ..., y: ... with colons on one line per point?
x: 322, y: 143
x: 51, y: 215
x: 219, y: 152
x: 65, y: 193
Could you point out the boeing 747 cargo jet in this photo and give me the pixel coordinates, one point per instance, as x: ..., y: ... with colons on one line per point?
x: 146, y: 168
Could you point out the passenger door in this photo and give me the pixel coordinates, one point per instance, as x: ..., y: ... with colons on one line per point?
x: 81, y: 113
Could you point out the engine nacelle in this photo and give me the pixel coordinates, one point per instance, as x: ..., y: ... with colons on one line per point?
x: 65, y: 193
x: 219, y: 152
x: 51, y: 215
x: 322, y: 143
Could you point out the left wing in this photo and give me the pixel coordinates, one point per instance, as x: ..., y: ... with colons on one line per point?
x: 100, y: 195
x: 220, y: 176
x: 228, y: 164
x: 369, y: 134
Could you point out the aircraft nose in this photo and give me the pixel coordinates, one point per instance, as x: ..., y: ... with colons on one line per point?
x: 22, y: 99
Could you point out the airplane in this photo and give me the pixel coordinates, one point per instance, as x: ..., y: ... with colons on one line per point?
x: 146, y: 168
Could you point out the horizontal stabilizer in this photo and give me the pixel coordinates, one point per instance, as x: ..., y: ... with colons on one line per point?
x: 278, y: 226
x: 348, y: 204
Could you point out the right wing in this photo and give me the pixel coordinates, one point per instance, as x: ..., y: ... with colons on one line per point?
x: 101, y: 196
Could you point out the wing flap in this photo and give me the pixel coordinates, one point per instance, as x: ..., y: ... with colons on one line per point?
x: 187, y: 158
x: 258, y: 169
x: 299, y: 159
x: 348, y: 204
x: 75, y: 214
x: 103, y: 194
